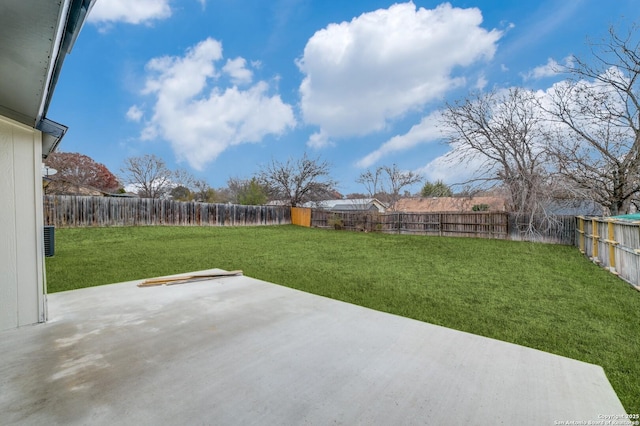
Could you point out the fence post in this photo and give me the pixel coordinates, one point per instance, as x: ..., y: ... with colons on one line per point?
x: 612, y: 246
x: 594, y: 238
x: 580, y: 233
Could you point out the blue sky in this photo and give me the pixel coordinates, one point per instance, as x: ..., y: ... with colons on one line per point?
x: 221, y: 87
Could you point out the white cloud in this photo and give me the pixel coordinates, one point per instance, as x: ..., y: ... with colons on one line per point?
x: 134, y: 114
x: 363, y: 73
x: 201, y: 119
x: 131, y: 12
x: 319, y: 140
x: 481, y: 83
x: 237, y: 70
x: 452, y: 169
x: 549, y: 69
x: 424, y: 132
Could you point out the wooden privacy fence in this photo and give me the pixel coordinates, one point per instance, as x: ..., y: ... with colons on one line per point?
x: 500, y: 225
x: 301, y: 216
x: 613, y: 244
x: 80, y: 211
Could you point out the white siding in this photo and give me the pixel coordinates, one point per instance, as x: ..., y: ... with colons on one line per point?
x: 22, y: 287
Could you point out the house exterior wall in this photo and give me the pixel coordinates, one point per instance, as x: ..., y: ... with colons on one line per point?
x: 22, y: 273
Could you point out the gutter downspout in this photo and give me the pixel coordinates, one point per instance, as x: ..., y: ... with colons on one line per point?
x: 72, y: 19
x: 53, y: 65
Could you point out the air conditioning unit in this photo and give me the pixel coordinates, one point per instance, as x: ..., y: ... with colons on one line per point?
x: 49, y: 241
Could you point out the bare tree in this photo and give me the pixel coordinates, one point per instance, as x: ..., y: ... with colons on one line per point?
x: 387, y: 183
x: 148, y: 174
x: 396, y: 181
x: 183, y: 185
x: 297, y: 181
x: 182, y: 177
x: 203, y: 193
x: 600, y: 107
x: 371, y: 181
x: 355, y: 196
x: 507, y: 132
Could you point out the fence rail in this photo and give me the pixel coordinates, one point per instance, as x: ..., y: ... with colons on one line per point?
x: 68, y: 211
x: 500, y: 225
x: 613, y: 244
x: 82, y: 211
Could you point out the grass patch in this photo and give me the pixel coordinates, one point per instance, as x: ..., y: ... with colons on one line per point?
x: 546, y: 297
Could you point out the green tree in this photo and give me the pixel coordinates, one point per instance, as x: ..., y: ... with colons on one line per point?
x: 437, y: 189
x: 181, y: 193
x: 480, y: 207
x: 252, y: 193
x: 203, y: 193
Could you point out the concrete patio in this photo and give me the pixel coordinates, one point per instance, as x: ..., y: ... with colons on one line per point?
x: 237, y: 350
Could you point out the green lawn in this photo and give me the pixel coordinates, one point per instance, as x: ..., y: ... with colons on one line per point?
x: 546, y: 297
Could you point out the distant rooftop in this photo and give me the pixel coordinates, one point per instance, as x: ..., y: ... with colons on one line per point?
x: 359, y: 204
x: 449, y: 204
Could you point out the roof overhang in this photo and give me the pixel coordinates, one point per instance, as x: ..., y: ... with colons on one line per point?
x: 36, y: 37
x: 52, y: 134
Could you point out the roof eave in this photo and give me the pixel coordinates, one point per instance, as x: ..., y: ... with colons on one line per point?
x: 73, y: 15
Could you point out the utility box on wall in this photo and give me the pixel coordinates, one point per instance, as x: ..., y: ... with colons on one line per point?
x: 49, y: 241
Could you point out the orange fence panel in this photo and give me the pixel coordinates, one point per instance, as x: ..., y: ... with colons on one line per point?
x: 301, y: 216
